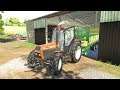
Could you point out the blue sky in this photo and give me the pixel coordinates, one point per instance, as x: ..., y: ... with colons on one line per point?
x: 25, y: 15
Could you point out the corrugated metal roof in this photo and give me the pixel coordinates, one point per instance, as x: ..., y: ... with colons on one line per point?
x: 53, y: 15
x: 106, y: 16
x: 109, y: 16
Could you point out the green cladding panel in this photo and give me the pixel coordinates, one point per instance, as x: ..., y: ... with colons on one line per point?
x: 40, y: 23
x: 109, y: 16
x: 82, y: 33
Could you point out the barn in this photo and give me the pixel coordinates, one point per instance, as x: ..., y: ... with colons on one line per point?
x: 109, y: 37
x: 101, y: 25
x: 39, y: 29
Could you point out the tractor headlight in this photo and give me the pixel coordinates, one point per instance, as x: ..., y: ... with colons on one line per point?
x: 37, y: 48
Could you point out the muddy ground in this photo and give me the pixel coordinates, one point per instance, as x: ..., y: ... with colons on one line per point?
x: 11, y: 50
x: 13, y: 59
x: 16, y: 69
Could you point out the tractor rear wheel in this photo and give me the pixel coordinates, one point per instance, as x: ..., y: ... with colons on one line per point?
x: 76, y: 52
x: 55, y: 66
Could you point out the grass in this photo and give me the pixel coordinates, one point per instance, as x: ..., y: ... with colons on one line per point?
x: 28, y: 45
x: 21, y: 44
x: 4, y: 36
x: 108, y: 67
x: 17, y: 44
x: 15, y: 30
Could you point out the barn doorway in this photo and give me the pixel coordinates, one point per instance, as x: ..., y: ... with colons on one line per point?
x: 40, y: 35
x: 109, y: 43
x: 50, y: 32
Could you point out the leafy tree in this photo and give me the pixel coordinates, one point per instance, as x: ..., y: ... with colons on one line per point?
x: 1, y: 25
x: 13, y: 21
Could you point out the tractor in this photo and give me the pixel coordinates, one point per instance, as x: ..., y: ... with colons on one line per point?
x: 51, y: 56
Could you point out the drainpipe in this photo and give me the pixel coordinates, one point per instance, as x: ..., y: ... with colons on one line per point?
x: 46, y: 31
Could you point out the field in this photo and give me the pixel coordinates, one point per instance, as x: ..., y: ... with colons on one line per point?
x: 15, y: 30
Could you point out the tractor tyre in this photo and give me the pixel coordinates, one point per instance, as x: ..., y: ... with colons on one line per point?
x: 32, y: 60
x: 76, y: 52
x: 56, y: 64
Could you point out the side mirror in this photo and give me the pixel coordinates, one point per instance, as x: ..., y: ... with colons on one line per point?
x: 92, y: 48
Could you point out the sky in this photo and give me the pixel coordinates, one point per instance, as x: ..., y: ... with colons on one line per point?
x: 25, y: 15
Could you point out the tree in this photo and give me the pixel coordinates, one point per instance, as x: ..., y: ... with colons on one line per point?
x: 13, y: 21
x: 1, y: 25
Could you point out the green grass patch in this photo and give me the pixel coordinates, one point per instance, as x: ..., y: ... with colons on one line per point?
x: 15, y: 30
x: 4, y: 36
x: 28, y: 45
x: 21, y: 44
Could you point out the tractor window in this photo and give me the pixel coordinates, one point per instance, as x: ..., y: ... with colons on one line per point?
x: 69, y: 35
x: 54, y: 35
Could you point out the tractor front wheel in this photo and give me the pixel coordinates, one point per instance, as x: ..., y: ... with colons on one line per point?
x: 55, y: 66
x: 76, y: 52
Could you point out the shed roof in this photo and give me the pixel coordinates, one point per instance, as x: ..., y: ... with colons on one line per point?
x: 52, y: 15
x: 78, y: 18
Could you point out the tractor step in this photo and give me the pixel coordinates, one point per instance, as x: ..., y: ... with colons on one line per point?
x: 67, y: 58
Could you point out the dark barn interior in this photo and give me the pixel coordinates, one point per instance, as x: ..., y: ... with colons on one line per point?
x: 40, y: 35
x: 109, y: 42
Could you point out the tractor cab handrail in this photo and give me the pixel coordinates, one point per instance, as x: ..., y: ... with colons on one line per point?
x: 68, y: 28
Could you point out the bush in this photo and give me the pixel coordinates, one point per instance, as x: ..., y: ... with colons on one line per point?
x: 1, y: 25
x: 1, y: 31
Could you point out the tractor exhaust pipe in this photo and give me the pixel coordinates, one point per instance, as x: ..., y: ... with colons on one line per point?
x: 57, y: 37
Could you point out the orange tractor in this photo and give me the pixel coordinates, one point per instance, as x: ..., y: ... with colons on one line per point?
x: 51, y: 55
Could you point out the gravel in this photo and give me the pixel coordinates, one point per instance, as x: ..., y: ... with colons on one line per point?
x: 10, y: 69
x: 15, y: 69
x: 93, y: 73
